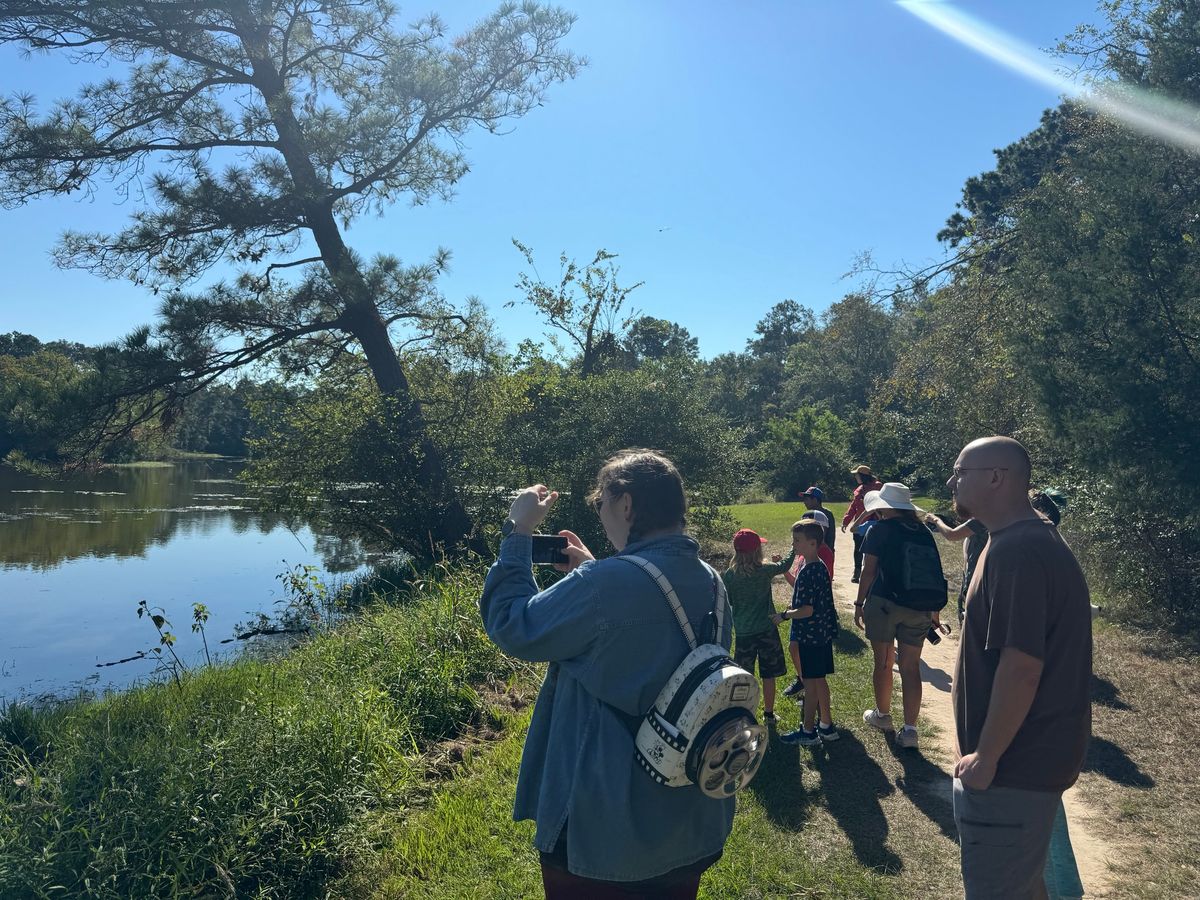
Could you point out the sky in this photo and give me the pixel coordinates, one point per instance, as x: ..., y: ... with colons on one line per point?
x: 732, y: 155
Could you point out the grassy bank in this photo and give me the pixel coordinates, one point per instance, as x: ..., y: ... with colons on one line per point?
x: 247, y: 780
x: 380, y: 761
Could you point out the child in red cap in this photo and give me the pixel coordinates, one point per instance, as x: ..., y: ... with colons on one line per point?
x: 748, y: 582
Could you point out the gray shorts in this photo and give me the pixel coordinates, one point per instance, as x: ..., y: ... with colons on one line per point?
x: 1004, y: 835
x: 887, y: 621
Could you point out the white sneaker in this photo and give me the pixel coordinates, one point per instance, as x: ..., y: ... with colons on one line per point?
x: 876, y: 719
x: 906, y: 737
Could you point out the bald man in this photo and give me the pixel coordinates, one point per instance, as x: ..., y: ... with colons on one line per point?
x: 1021, y: 685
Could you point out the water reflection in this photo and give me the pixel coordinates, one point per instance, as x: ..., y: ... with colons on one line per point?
x: 123, y: 511
x: 77, y: 556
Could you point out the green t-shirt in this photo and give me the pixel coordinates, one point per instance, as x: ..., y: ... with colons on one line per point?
x: 750, y: 596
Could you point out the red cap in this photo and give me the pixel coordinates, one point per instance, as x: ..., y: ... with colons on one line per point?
x: 746, y: 540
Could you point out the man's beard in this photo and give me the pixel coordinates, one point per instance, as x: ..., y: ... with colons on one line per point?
x: 961, y: 511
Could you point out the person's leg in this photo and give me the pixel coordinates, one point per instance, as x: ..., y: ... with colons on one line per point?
x: 1004, y: 835
x: 825, y: 704
x: 910, y: 682
x: 858, y: 555
x: 794, y: 652
x: 813, y: 691
x: 881, y: 675
x: 768, y: 688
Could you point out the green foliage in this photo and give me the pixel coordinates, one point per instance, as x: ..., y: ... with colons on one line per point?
x: 244, y: 780
x: 1082, y: 260
x: 569, y: 424
x: 841, y: 364
x: 808, y: 447
x: 649, y: 338
x: 42, y: 398
x: 588, y: 306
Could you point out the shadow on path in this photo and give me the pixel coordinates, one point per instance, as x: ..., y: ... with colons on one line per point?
x: 936, y: 678
x: 853, y: 784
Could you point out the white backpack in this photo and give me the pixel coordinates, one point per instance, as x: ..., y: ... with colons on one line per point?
x: 701, y: 729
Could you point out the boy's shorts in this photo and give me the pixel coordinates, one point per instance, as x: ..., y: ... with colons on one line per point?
x: 763, y: 646
x: 815, y: 661
x: 887, y: 621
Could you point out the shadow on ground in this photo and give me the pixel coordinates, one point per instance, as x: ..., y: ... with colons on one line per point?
x: 849, y: 643
x: 852, y: 783
x: 938, y: 679
x: 927, y: 786
x: 1105, y: 693
x: 1107, y: 759
x: 779, y: 785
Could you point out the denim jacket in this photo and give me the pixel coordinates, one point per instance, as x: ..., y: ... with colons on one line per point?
x: 612, y: 643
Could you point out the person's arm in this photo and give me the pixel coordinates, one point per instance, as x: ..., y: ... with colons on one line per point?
x: 1013, y: 690
x: 781, y: 568
x: 870, y: 566
x: 855, y: 507
x: 554, y: 624
x: 957, y: 533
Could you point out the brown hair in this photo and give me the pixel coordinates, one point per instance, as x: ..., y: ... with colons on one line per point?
x: 654, y: 484
x: 749, y: 562
x: 811, y: 529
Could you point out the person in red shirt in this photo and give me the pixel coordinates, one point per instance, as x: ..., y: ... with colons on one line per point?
x: 866, y: 482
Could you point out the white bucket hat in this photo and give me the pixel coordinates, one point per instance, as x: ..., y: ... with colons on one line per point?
x: 892, y: 495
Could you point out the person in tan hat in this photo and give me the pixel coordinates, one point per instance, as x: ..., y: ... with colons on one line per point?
x: 899, y: 597
x: 866, y: 482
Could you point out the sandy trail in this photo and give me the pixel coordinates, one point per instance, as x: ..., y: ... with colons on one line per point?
x: 937, y: 671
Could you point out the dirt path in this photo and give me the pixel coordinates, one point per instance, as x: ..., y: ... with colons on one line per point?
x: 937, y: 670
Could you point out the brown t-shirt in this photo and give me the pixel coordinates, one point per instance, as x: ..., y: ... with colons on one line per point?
x: 1028, y: 592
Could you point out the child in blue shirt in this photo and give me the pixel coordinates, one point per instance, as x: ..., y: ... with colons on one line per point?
x: 814, y: 626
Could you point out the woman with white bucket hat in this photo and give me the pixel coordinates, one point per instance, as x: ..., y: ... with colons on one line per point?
x: 900, y: 594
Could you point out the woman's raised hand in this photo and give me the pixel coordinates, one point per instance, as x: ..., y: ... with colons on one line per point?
x: 575, y: 551
x: 530, y: 507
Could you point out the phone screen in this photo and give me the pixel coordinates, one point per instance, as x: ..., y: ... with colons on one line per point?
x: 547, y: 549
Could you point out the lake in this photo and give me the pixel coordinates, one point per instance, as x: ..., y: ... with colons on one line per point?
x: 77, y: 556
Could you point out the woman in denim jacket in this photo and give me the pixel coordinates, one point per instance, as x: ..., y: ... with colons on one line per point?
x: 604, y: 827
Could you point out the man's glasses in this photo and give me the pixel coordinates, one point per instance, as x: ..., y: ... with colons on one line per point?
x: 958, y: 470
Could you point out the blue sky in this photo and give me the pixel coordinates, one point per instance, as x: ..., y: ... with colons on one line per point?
x: 733, y: 155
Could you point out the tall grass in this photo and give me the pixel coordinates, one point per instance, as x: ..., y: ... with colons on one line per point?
x: 244, y: 780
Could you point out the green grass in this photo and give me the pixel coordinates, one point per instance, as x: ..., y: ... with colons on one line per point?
x: 774, y: 520
x: 251, y: 779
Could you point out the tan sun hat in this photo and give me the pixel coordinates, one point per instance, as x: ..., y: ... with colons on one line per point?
x: 861, y: 470
x: 892, y: 495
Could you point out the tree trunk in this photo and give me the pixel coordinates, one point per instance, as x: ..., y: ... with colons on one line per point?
x: 451, y: 526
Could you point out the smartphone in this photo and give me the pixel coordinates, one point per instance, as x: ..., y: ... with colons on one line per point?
x: 548, y: 550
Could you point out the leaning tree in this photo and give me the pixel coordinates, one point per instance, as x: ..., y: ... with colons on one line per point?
x: 249, y: 134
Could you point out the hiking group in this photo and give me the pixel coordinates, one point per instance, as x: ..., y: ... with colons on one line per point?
x: 1020, y: 688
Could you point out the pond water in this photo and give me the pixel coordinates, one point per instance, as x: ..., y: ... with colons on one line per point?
x: 77, y: 556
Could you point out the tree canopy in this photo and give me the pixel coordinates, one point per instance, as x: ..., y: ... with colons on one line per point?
x: 255, y: 132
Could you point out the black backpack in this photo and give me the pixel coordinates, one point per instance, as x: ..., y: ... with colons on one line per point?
x: 912, y: 569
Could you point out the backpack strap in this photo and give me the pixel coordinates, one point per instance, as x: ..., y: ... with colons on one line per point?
x: 668, y: 592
